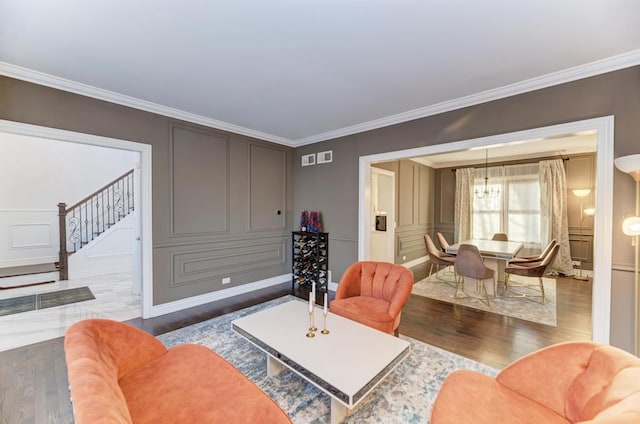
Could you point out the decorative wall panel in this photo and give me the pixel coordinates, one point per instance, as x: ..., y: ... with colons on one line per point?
x: 267, y: 188
x: 214, y: 263
x: 405, y: 193
x: 199, y: 182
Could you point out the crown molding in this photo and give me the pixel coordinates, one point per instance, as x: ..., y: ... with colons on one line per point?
x: 602, y: 66
x: 613, y: 63
x: 40, y: 78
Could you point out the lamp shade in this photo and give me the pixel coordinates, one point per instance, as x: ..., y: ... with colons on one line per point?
x: 631, y: 226
x: 581, y: 192
x: 629, y: 164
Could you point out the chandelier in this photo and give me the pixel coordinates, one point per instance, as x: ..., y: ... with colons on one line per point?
x: 487, y: 193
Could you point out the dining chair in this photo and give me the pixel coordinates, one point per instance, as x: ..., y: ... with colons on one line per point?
x: 500, y: 237
x: 442, y: 241
x: 534, y: 258
x: 469, y: 264
x: 437, y: 257
x: 531, y: 269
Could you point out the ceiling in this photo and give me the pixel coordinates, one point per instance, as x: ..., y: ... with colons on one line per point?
x: 297, y: 72
x: 558, y: 146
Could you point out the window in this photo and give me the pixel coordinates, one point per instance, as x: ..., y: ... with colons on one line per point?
x: 515, y: 211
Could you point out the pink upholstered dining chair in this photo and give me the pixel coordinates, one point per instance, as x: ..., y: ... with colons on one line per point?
x: 500, y: 237
x: 436, y: 257
x: 530, y: 269
x: 374, y: 293
x: 469, y: 264
x: 534, y: 258
x: 443, y: 242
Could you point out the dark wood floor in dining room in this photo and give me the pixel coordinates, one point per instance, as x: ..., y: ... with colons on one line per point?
x: 33, y: 383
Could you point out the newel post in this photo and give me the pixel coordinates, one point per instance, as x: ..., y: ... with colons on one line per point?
x: 62, y: 254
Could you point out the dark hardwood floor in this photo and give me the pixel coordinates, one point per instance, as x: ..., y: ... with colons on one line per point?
x: 33, y: 381
x: 493, y: 339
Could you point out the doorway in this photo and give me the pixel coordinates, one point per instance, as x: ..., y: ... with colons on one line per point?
x: 601, y: 298
x: 383, y: 215
x: 143, y: 263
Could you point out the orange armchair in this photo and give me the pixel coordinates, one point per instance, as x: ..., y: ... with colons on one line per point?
x: 374, y: 293
x: 572, y: 382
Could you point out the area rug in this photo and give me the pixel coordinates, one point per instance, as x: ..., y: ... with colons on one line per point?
x: 528, y: 309
x: 15, y: 305
x: 405, y: 396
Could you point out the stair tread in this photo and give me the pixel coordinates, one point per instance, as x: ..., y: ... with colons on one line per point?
x: 16, y: 271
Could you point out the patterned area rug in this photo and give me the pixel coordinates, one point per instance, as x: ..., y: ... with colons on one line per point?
x: 405, y: 396
x: 528, y: 309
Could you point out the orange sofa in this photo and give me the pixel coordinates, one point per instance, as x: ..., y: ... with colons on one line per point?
x: 373, y: 293
x: 120, y: 374
x: 573, y: 382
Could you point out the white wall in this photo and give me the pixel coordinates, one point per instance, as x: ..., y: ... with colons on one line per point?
x: 37, y: 174
x: 110, y: 253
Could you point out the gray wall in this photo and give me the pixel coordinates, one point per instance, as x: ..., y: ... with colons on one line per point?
x: 335, y: 185
x: 215, y: 194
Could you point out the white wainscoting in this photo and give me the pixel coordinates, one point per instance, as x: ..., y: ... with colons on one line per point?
x: 28, y: 236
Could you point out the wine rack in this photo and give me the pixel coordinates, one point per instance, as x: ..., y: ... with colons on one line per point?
x: 310, y: 260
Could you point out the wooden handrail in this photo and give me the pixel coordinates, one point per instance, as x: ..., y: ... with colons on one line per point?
x: 98, y: 191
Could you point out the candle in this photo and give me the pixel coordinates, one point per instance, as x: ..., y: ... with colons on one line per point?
x: 310, y: 303
x: 325, y: 303
x: 313, y: 291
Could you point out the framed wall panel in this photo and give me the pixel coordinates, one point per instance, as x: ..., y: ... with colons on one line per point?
x: 199, y: 179
x: 267, y: 188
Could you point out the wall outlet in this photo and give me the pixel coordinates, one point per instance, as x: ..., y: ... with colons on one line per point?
x: 226, y: 280
x: 404, y: 258
x: 575, y: 263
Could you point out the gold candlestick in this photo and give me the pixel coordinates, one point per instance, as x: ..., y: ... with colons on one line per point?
x: 324, y: 330
x: 311, y: 327
x: 313, y: 318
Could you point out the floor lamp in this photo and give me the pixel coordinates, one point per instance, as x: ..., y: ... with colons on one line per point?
x: 581, y: 193
x: 631, y: 227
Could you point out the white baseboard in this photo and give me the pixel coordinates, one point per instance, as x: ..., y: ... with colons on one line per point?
x: 178, y: 305
x: 415, y: 262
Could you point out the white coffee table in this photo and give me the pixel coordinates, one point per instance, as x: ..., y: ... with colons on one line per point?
x: 346, y: 364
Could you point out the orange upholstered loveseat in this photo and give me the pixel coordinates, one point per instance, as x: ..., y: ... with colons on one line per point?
x: 573, y: 382
x: 120, y: 374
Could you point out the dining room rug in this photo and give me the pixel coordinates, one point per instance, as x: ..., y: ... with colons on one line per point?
x: 528, y: 309
x: 404, y: 396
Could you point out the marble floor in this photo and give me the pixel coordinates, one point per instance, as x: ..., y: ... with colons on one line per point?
x: 114, y: 300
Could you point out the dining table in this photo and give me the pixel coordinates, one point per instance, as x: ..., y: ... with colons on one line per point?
x: 495, y: 253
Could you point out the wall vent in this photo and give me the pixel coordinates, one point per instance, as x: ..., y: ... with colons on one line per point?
x: 309, y: 159
x: 325, y: 157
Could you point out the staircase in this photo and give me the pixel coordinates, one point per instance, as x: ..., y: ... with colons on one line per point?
x: 89, y: 218
x: 28, y: 275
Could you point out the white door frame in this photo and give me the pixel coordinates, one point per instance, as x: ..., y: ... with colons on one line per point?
x: 390, y: 235
x: 18, y: 128
x: 601, y: 295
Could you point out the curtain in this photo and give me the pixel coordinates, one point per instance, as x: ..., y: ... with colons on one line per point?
x: 553, y: 206
x: 522, y: 204
x: 462, y: 214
